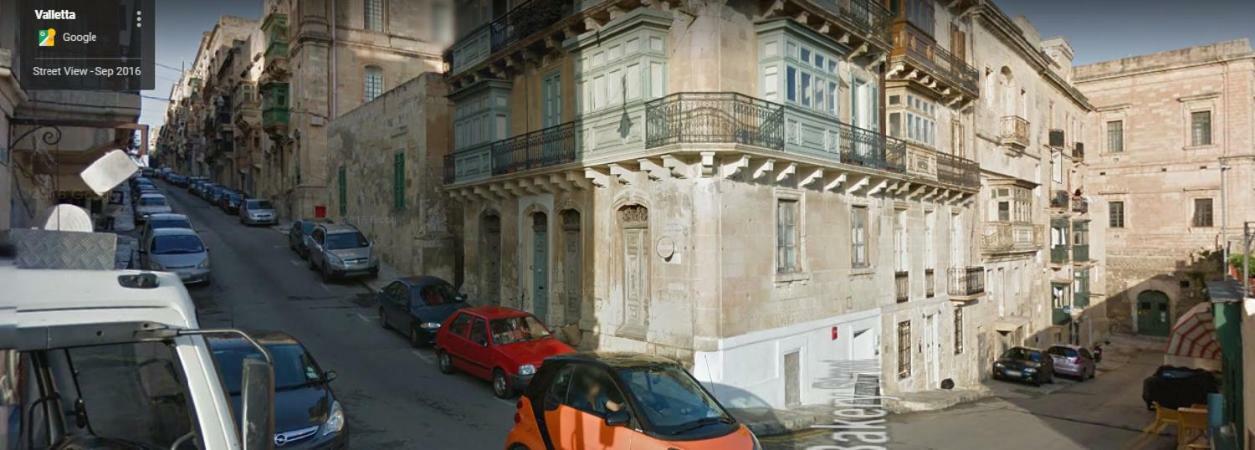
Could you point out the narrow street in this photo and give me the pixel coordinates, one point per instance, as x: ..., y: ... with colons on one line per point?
x: 1106, y: 412
x: 394, y: 395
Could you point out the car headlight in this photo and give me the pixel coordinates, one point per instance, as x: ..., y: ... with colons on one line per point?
x: 998, y: 365
x: 527, y: 369
x: 335, y: 420
x: 335, y: 260
x: 1029, y: 369
x: 429, y: 325
x: 203, y: 264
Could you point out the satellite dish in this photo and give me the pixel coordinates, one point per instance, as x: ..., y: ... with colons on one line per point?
x: 66, y: 217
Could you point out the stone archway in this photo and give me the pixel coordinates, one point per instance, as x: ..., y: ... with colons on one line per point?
x: 1154, y: 313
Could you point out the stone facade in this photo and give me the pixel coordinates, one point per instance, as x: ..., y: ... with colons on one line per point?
x: 391, y: 153
x: 1172, y: 147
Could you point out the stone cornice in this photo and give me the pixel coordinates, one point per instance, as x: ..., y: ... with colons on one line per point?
x: 1013, y: 36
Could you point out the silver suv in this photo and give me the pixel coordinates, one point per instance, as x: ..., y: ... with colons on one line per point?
x: 337, y: 250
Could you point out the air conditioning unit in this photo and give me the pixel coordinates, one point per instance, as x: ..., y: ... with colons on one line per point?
x: 1056, y: 138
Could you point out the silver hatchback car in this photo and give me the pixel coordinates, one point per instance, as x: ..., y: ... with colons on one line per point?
x: 150, y: 204
x: 1073, y: 361
x: 177, y: 250
x: 255, y: 211
x: 337, y: 250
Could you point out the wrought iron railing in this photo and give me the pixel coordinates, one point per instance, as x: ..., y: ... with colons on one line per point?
x: 1014, y: 131
x: 944, y: 66
x: 714, y: 117
x: 541, y: 148
x: 527, y: 19
x: 867, y: 17
x: 902, y: 286
x: 863, y: 147
x: 957, y: 171
x: 966, y: 281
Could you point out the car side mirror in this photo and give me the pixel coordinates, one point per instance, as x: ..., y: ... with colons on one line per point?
x: 328, y: 376
x: 460, y: 298
x: 617, y: 418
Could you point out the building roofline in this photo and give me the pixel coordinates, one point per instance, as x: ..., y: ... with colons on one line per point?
x: 1013, y: 35
x: 1215, y: 52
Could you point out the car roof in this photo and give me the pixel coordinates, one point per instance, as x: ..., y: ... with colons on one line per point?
x: 337, y: 228
x: 166, y: 216
x: 151, y: 196
x: 1031, y: 349
x: 92, y: 298
x: 422, y: 280
x: 495, y: 312
x: 1073, y: 347
x: 175, y: 232
x: 616, y: 360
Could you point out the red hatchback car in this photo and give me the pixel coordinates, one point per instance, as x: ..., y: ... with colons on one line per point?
x: 504, y: 345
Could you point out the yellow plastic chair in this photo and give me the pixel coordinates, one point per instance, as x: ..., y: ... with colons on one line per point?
x: 1163, y: 418
x: 1192, y: 427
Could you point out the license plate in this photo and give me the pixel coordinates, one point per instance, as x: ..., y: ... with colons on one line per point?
x: 1012, y: 373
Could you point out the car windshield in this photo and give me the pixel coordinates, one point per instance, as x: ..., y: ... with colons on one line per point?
x: 1022, y: 354
x: 293, y: 367
x: 152, y: 201
x: 169, y: 223
x: 672, y: 401
x: 259, y: 204
x: 177, y: 244
x: 517, y: 329
x: 437, y: 294
x: 307, y: 227
x: 340, y: 241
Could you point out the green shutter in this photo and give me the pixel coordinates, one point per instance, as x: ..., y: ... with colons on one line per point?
x: 344, y: 194
x: 398, y: 182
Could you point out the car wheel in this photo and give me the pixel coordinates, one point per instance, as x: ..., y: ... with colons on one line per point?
x: 500, y: 385
x: 518, y: 447
x: 444, y: 361
x: 414, y: 340
x: 383, y: 320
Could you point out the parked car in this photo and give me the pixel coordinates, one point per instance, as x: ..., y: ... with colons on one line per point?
x: 298, y: 234
x: 1024, y: 364
x: 148, y: 172
x: 194, y: 184
x: 341, y: 251
x: 503, y: 345
x: 138, y: 184
x: 306, y: 412
x: 621, y: 400
x: 229, y: 202
x: 177, y: 180
x: 150, y: 204
x: 418, y: 307
x: 215, y: 192
x: 255, y: 211
x: 177, y: 250
x: 1174, y: 387
x: 162, y: 220
x: 1073, y: 361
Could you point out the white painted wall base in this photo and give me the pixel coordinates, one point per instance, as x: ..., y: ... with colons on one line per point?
x: 748, y: 370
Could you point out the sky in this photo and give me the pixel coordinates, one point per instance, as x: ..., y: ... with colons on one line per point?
x: 1098, y: 30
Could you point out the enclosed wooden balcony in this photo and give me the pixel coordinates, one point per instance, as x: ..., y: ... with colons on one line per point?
x: 1012, y: 237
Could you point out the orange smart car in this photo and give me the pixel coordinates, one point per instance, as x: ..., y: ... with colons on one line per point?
x: 621, y: 401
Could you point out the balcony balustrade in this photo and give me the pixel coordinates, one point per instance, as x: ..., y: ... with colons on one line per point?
x: 1014, y: 132
x: 1009, y: 237
x: 714, y: 117
x: 869, y: 18
x: 517, y: 24
x: 958, y: 171
x: 966, y: 282
x: 917, y: 50
x: 902, y: 286
x: 541, y: 148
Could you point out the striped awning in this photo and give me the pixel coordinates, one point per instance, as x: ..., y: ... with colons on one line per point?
x: 1194, y: 335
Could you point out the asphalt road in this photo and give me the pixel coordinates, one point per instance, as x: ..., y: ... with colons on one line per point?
x: 394, y: 395
x: 1103, y: 413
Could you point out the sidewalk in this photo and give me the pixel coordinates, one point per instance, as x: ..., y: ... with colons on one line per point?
x: 765, y: 421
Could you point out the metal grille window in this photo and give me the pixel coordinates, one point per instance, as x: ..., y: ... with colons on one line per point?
x: 1115, y: 136
x: 858, y: 237
x: 1115, y: 215
x: 904, y: 349
x: 1200, y: 128
x: 1202, y: 212
x: 374, y: 15
x: 958, y: 331
x: 787, y: 260
x: 373, y: 82
x: 398, y: 182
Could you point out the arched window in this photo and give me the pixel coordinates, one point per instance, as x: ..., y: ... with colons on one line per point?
x: 373, y: 15
x: 373, y: 82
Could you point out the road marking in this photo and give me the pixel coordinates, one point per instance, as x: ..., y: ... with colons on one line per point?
x: 420, y: 355
x: 364, y: 319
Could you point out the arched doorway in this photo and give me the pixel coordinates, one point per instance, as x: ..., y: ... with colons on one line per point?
x: 1153, y: 313
x: 634, y: 259
x: 540, y: 265
x: 490, y: 258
